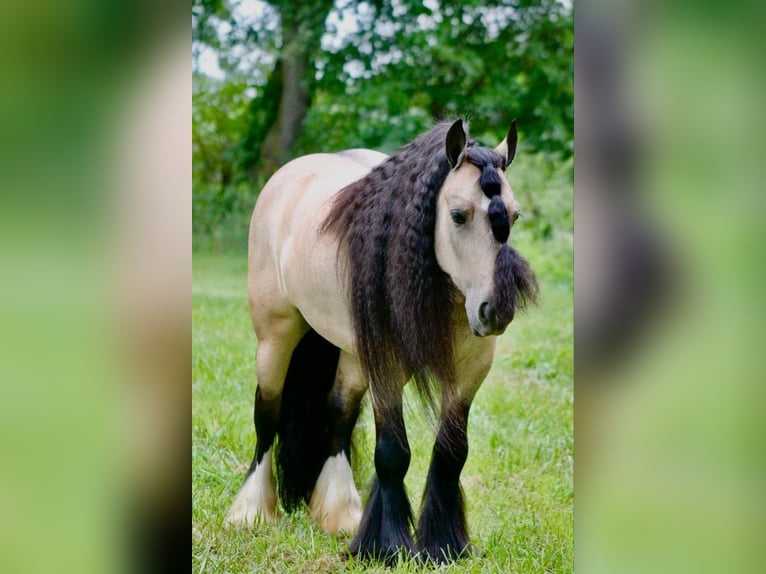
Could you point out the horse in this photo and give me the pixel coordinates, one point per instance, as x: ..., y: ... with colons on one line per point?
x: 366, y: 272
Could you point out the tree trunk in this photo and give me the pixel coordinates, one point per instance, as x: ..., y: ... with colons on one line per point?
x: 293, y: 105
x: 262, y: 113
x: 302, y: 28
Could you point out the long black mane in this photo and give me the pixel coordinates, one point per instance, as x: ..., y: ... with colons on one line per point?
x: 401, y: 300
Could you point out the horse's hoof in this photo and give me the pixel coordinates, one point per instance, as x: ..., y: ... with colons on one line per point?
x: 252, y: 506
x: 388, y: 555
x: 346, y: 521
x: 249, y: 517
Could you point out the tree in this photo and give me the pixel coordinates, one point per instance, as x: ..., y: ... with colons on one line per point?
x: 387, y: 70
x: 492, y: 60
x: 302, y: 25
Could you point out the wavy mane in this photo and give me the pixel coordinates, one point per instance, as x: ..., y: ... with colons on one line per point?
x: 401, y: 301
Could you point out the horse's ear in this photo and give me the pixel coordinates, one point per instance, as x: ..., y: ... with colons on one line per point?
x: 507, y: 147
x: 456, y: 144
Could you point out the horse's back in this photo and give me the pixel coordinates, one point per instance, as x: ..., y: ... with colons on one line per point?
x: 292, y: 265
x: 312, y: 179
x: 362, y: 156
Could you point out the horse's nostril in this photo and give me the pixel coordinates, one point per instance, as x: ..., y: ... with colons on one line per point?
x: 483, y: 314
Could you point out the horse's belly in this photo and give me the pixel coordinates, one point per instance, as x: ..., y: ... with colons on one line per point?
x: 314, y: 288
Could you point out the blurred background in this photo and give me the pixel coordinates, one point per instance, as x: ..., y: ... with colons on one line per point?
x: 96, y: 168
x: 275, y: 80
x: 669, y: 226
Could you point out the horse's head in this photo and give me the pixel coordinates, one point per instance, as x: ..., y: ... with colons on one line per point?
x: 475, y: 212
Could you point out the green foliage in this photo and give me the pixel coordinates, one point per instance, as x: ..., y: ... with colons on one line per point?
x: 222, y: 196
x: 222, y: 217
x: 367, y: 121
x: 543, y: 187
x: 218, y: 116
x: 378, y: 84
x: 491, y: 62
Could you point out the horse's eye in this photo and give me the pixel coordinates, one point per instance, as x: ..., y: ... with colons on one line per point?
x: 458, y: 216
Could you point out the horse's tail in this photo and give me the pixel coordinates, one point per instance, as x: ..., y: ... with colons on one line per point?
x: 303, y: 434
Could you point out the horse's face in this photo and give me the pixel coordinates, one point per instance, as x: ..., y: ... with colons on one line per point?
x: 467, y: 242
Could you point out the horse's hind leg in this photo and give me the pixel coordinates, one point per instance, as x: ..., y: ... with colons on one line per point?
x: 335, y: 502
x: 257, y: 498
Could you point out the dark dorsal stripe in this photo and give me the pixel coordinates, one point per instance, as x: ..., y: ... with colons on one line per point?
x: 488, y: 161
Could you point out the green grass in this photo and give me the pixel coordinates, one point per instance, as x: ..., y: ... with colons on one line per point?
x: 517, y: 480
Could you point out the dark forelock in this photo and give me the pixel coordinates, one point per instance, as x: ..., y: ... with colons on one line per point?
x: 489, y: 161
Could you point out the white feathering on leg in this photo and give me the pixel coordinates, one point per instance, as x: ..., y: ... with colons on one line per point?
x: 335, y: 502
x: 257, y: 499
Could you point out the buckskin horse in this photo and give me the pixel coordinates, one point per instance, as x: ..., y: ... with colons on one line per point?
x: 366, y: 272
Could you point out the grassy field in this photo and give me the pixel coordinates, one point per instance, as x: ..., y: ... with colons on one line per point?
x: 518, y: 479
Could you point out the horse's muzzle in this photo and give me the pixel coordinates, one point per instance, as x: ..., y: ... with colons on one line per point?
x: 491, y: 324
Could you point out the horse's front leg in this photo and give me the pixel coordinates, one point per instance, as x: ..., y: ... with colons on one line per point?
x: 442, y: 531
x: 384, y: 531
